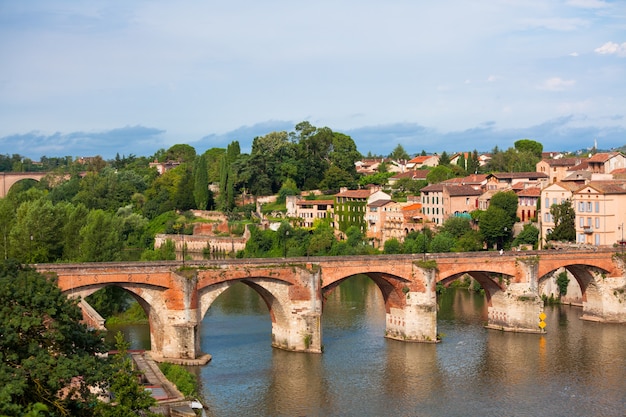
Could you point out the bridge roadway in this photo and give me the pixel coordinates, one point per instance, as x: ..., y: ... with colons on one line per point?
x: 177, y: 295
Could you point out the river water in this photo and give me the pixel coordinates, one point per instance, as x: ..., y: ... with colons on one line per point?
x: 577, y: 369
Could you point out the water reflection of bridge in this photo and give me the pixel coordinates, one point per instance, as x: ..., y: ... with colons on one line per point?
x: 176, y: 297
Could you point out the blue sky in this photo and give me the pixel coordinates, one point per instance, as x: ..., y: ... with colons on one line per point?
x: 101, y: 77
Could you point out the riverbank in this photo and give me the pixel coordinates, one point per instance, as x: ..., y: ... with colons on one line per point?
x: 170, y: 401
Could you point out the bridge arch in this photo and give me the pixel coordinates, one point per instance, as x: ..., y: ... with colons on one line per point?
x: 9, y: 179
x: 272, y: 292
x: 392, y: 287
x: 294, y: 309
x: 149, y: 297
x: 589, y: 279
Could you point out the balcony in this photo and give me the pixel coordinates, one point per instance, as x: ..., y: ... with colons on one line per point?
x: 588, y: 230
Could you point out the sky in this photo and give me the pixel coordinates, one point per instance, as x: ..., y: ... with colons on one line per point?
x: 83, y: 78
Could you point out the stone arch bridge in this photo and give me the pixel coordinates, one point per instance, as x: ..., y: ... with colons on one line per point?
x: 9, y: 179
x: 176, y: 296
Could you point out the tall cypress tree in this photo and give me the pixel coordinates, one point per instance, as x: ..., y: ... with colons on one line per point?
x: 201, y: 183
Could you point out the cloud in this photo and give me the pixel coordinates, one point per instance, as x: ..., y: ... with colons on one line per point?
x: 138, y: 140
x: 611, y: 48
x: 556, y: 84
x: 588, y: 4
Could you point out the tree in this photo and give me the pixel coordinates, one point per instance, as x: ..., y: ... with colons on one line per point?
x: 287, y: 189
x: 344, y: 153
x: 528, y: 236
x: 527, y: 145
x: 444, y: 159
x: 456, y: 226
x: 470, y: 241
x: 392, y: 246
x: 564, y: 222
x: 439, y: 173
x: 472, y: 163
x: 461, y: 162
x: 201, y: 183
x: 442, y: 242
x: 506, y: 200
x: 129, y: 396
x: 181, y: 153
x: 335, y: 178
x: 495, y: 226
x: 101, y: 239
x: 48, y: 357
x: 399, y: 154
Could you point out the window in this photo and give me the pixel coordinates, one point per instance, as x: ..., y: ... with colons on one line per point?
x: 597, y: 222
x: 588, y: 221
x: 547, y: 203
x: 554, y: 201
x: 581, y: 207
x: 589, y: 206
x: 582, y: 222
x: 597, y: 240
x: 597, y: 207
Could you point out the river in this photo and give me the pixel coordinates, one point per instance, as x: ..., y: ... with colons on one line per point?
x: 577, y: 369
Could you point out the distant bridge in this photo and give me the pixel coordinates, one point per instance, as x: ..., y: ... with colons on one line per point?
x: 9, y: 179
x: 177, y: 296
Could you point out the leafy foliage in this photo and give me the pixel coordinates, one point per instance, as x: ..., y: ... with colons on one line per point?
x: 564, y: 222
x: 47, y: 356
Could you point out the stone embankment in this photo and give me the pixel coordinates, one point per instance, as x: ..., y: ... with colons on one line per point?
x: 170, y: 401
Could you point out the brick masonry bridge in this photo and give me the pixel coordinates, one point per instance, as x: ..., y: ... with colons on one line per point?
x: 9, y: 179
x: 176, y: 296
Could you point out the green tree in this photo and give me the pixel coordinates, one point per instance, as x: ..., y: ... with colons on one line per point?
x: 506, y: 200
x: 335, y: 178
x: 456, y: 226
x: 527, y: 145
x: 442, y: 242
x: 564, y: 222
x: 7, y: 219
x: 461, y: 162
x: 35, y: 235
x: 472, y: 162
x: 44, y: 349
x: 180, y: 152
x: 313, y: 153
x: 392, y: 246
x: 344, y: 153
x: 470, y: 241
x: 201, y: 183
x: 495, y: 226
x: 101, y: 238
x: 444, y: 159
x: 528, y: 236
x: 288, y: 188
x: 129, y: 397
x: 399, y: 154
x: 562, y: 282
x: 439, y: 173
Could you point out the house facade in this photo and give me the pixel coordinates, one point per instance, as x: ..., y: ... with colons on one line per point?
x: 557, y: 169
x: 600, y: 212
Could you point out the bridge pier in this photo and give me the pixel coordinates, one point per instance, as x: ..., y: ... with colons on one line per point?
x: 416, y: 320
x: 179, y: 341
x: 605, y: 298
x: 298, y: 325
x: 515, y: 309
